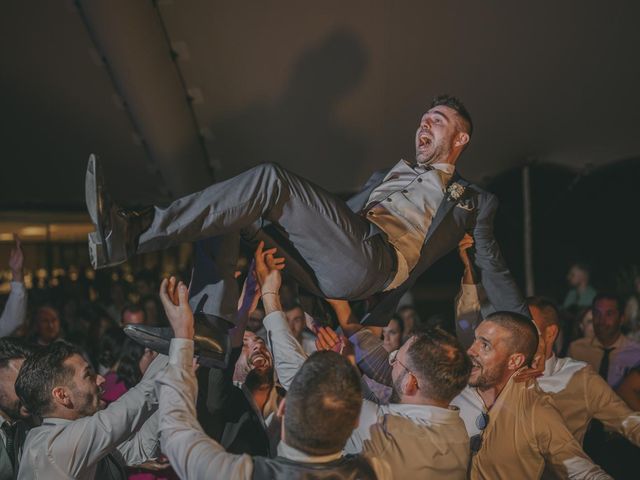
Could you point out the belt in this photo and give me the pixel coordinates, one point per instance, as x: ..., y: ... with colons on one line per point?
x: 394, y: 266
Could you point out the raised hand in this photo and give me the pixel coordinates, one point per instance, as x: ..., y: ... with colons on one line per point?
x: 267, y: 268
x: 16, y: 260
x: 179, y: 314
x: 328, y: 339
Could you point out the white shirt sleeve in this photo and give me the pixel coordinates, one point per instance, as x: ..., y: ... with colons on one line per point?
x: 191, y: 452
x: 288, y: 355
x: 144, y: 445
x: 468, y: 313
x: 368, y: 417
x: 15, y: 310
x: 85, y: 441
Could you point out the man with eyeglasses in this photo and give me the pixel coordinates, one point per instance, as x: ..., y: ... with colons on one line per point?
x: 514, y: 428
x: 420, y: 434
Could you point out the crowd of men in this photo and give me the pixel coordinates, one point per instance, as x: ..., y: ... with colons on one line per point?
x: 260, y: 384
x: 302, y: 400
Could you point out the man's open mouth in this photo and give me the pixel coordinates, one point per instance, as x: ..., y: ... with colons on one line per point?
x: 259, y: 361
x: 424, y: 141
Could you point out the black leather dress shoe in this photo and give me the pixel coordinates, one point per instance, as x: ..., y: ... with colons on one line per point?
x: 117, y: 230
x: 212, y: 344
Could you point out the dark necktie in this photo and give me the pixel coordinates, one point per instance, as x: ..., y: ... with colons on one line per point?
x: 9, y: 432
x: 604, y: 363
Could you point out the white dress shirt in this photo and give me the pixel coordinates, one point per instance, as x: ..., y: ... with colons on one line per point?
x: 63, y: 449
x: 15, y: 310
x: 404, y: 205
x: 625, y: 356
x: 442, y: 448
x: 192, y: 453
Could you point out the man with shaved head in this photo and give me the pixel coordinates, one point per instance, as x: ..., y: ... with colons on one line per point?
x: 578, y: 391
x: 514, y: 427
x: 379, y: 242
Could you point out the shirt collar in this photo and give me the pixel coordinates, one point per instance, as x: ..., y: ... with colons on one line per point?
x: 55, y: 421
x: 550, y: 365
x: 425, y: 413
x: 296, y: 455
x: 447, y: 168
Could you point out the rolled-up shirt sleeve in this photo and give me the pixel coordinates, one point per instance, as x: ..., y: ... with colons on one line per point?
x: 15, y: 310
x: 371, y: 357
x: 191, y: 452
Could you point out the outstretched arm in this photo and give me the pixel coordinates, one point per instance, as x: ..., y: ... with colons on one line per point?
x: 15, y: 311
x: 501, y: 288
x: 288, y: 355
x: 468, y: 302
x: 191, y: 452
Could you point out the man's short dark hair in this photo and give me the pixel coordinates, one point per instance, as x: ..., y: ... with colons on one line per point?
x: 548, y: 309
x: 608, y: 296
x: 440, y: 362
x: 287, y: 307
x: 12, y: 348
x: 323, y: 404
x: 398, y: 319
x: 523, y: 334
x: 455, y: 103
x: 41, y: 372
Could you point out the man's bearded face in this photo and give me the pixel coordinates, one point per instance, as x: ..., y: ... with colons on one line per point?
x: 255, y: 356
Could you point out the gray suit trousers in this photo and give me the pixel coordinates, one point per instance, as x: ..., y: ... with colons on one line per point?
x: 329, y: 249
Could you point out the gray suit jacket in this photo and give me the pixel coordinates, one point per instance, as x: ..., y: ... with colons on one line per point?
x: 473, y: 212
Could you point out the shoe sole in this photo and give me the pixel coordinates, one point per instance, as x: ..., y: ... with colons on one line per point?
x: 98, y: 254
x: 148, y: 339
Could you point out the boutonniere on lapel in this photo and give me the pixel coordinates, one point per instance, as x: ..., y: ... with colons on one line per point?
x: 455, y: 191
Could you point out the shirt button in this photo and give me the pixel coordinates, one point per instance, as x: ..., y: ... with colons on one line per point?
x: 405, y: 191
x: 419, y: 180
x: 388, y: 199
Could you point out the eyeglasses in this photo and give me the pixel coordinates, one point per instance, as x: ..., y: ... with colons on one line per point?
x: 475, y: 442
x: 393, y: 359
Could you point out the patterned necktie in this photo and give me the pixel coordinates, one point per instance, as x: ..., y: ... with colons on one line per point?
x: 604, y: 363
x: 9, y: 432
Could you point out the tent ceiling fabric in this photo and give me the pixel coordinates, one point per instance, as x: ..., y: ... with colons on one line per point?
x: 332, y: 90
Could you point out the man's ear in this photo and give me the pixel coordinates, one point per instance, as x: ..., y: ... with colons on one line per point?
x: 410, y: 385
x: 61, y: 397
x: 462, y: 138
x: 552, y: 333
x: 516, y: 360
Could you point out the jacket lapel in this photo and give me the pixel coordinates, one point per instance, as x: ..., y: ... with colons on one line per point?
x: 445, y: 206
